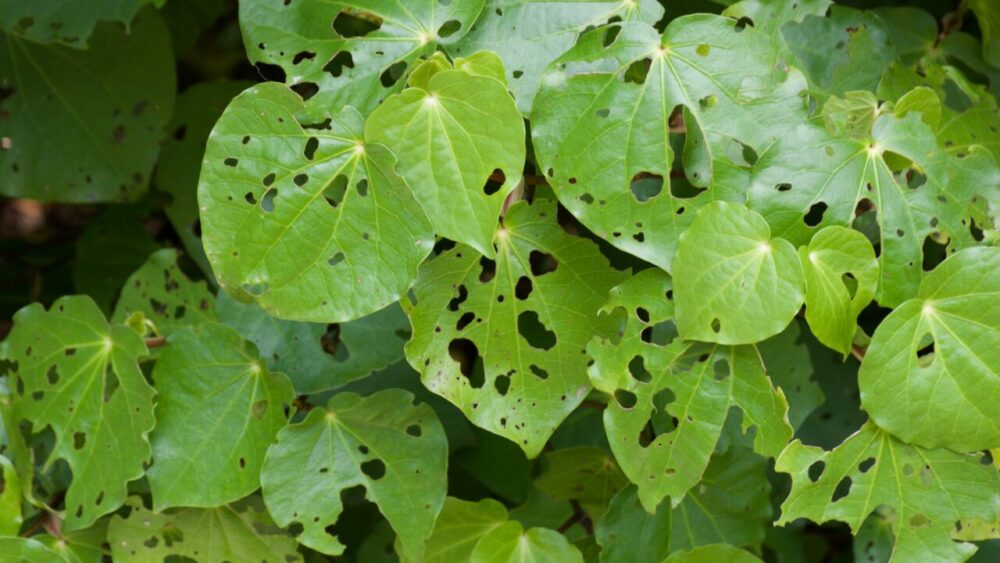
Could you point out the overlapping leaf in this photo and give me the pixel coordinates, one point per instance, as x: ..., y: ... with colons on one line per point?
x: 459, y: 527
x: 65, y: 21
x: 511, y: 543
x: 503, y: 340
x: 300, y: 216
x: 586, y: 474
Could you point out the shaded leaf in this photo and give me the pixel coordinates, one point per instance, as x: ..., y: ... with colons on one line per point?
x: 65, y: 22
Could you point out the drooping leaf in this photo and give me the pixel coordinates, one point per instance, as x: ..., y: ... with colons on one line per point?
x: 503, y: 340
x: 460, y: 144
x: 459, y: 527
x: 586, y: 474
x: 218, y: 409
x: 929, y: 490
x: 355, y: 52
x: 315, y: 356
x: 790, y: 365
x: 240, y: 532
x: 841, y: 276
x: 698, y: 383
x: 108, y: 106
x: 931, y: 370
x: 729, y: 505
x: 395, y: 450
x: 65, y: 22
x: 734, y: 283
x: 80, y: 377
x: 511, y: 543
x: 302, y: 218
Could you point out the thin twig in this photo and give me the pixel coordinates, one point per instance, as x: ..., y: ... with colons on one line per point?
x: 578, y: 517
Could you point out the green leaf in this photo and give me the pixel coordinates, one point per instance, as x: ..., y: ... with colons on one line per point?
x: 80, y: 377
x: 82, y: 546
x: 977, y: 125
x: 853, y: 115
x: 929, y: 490
x: 28, y: 549
x: 503, y: 340
x: 395, y: 450
x: 217, y: 411
x: 789, y: 363
x: 530, y: 34
x: 841, y: 277
x: 874, y: 541
x: 457, y: 137
x: 459, y: 527
x: 316, y: 356
x: 582, y: 473
x: 950, y: 193
x: 510, y: 543
x: 164, y: 295
x: 60, y: 21
x: 601, y: 123
x: 734, y: 283
x: 10, y: 499
x: 682, y: 391
x: 242, y: 532
x: 729, y: 505
x: 354, y: 51
x: 988, y: 16
x: 108, y: 105
x: 940, y: 396
x: 298, y: 217
x: 712, y: 554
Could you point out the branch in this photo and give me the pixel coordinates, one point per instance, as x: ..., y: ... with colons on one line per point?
x: 578, y: 517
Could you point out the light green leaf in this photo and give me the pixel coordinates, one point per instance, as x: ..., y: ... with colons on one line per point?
x: 81, y: 546
x: 928, y: 489
x: 712, y: 554
x: 65, y: 21
x: 841, y: 277
x: 80, y: 377
x: 769, y: 16
x: 583, y: 473
x: 734, y: 283
x: 789, y: 363
x: 924, y: 101
x: 451, y: 136
x: 316, y: 356
x: 699, y: 383
x: 729, y: 505
x: 354, y: 51
x: 460, y: 526
x: 977, y: 125
x: 397, y: 451
x: 301, y: 218
x: 218, y: 409
x: 510, y: 543
x: 108, y: 105
x: 988, y: 16
x: 503, y: 340
x: 874, y: 541
x: 941, y: 396
x: 242, y: 532
x: 530, y: 34
x: 29, y: 550
x: 601, y: 124
x: 853, y: 115
x: 10, y: 499
x: 164, y: 295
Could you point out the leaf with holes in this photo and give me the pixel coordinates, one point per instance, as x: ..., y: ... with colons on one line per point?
x: 603, y: 138
x: 394, y: 449
x: 988, y: 16
x: 934, y: 197
x: 841, y: 275
x: 932, y: 368
x: 790, y: 365
x: 734, y: 282
x: 79, y: 377
x: 10, y: 499
x: 586, y: 474
x: 929, y: 490
x: 68, y: 23
x: 349, y: 52
x: 511, y: 543
x: 297, y: 216
x: 108, y: 106
x: 729, y: 505
x: 217, y: 411
x: 239, y: 532
x: 504, y: 340
x: 671, y: 397
x: 460, y: 144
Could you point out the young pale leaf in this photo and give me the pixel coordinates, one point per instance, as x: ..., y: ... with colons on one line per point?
x: 528, y: 35
x: 510, y: 543
x: 350, y: 52
x: 460, y: 144
x: 713, y: 554
x: 602, y: 138
x: 699, y: 383
x: 841, y: 277
x: 503, y: 340
x: 734, y: 283
x: 797, y: 200
x: 931, y: 372
x: 394, y: 449
x: 164, y: 295
x: 310, y: 221
x: 59, y: 21
x: 218, y: 408
x: 105, y: 153
x: 729, y: 505
x: 80, y: 377
x: 459, y: 527
x: 929, y: 490
x: 586, y: 474
x: 316, y: 356
x: 213, y: 535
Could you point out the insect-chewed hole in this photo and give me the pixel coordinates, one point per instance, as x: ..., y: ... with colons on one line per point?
x: 843, y: 489
x: 354, y: 23
x: 457, y: 301
x: 487, y: 269
x: 374, y: 469
x: 637, y: 367
x: 815, y: 215
x: 625, y: 399
x: 340, y: 61
x: 335, y: 190
x: 646, y: 186
x: 542, y: 263
x: 816, y: 470
x: 534, y: 331
x: 470, y: 363
x: 523, y: 288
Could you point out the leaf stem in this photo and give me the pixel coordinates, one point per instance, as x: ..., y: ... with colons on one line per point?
x: 156, y: 342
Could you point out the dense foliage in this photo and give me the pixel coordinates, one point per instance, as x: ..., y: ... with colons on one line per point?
x: 499, y: 280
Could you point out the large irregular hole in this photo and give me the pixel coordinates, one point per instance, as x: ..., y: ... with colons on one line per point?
x: 338, y: 63
x: 645, y: 186
x: 523, y: 288
x: 470, y: 364
x: 374, y: 469
x: 449, y: 28
x: 502, y: 384
x: 843, y: 489
x: 534, y: 332
x: 335, y: 190
x: 488, y: 269
x: 333, y: 345
x: 815, y: 214
x: 934, y: 250
x: 267, y: 202
x: 495, y: 181
x: 355, y: 23
x: 816, y: 470
x: 637, y: 367
x: 625, y: 399
x: 457, y: 301
x: 542, y: 263
x: 391, y: 75
x: 538, y: 372
x: 270, y: 72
